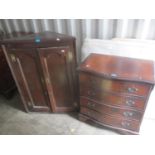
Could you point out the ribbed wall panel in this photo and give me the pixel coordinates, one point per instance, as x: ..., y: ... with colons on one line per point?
x: 85, y: 28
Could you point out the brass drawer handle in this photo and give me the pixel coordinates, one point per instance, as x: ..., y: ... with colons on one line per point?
x: 125, y: 124
x: 127, y: 114
x: 13, y: 57
x: 130, y: 102
x: 132, y: 90
x: 91, y: 104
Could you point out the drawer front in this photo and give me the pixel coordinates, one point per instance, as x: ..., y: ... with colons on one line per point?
x: 113, y: 111
x: 99, y: 83
x: 114, y: 100
x: 112, y: 121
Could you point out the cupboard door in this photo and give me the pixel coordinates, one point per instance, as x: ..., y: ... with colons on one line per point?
x: 7, y: 85
x: 27, y: 73
x: 58, y: 77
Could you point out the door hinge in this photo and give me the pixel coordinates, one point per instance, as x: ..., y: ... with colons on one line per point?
x: 42, y: 80
x: 13, y: 58
x: 48, y: 80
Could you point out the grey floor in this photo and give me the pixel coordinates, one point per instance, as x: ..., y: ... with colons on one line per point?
x: 13, y: 120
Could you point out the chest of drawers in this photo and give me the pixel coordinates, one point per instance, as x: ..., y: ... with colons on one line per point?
x: 114, y: 91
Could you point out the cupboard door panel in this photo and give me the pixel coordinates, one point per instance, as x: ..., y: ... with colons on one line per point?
x: 58, y: 77
x: 7, y: 84
x: 27, y: 71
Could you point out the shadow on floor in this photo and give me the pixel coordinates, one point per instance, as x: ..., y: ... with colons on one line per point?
x: 14, y: 101
x: 76, y: 116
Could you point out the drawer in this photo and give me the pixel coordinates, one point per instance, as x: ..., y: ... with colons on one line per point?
x: 118, y: 86
x: 113, y: 111
x: 111, y: 121
x: 131, y: 102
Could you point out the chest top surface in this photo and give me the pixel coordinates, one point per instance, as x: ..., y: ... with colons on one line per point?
x: 117, y: 67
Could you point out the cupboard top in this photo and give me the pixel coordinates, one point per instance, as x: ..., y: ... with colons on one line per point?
x: 117, y: 67
x: 38, y: 38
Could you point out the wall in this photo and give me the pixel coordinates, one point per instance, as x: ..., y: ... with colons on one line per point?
x: 85, y: 28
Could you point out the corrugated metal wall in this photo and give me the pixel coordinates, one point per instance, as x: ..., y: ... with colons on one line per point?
x: 85, y: 28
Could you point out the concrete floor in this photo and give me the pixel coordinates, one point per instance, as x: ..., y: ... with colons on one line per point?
x: 13, y: 120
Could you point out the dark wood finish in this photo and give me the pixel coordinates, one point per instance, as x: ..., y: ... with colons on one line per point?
x: 112, y: 121
x: 7, y: 84
x: 131, y: 102
x: 114, y: 91
x: 116, y: 67
x: 25, y: 64
x: 59, y: 82
x: 43, y: 66
x: 111, y: 110
x: 108, y: 85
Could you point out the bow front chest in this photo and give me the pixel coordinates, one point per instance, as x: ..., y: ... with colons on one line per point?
x: 114, y: 91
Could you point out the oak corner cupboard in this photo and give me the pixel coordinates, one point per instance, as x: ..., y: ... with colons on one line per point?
x: 114, y: 91
x: 43, y: 66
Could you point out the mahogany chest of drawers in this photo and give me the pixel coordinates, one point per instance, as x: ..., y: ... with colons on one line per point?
x: 114, y: 91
